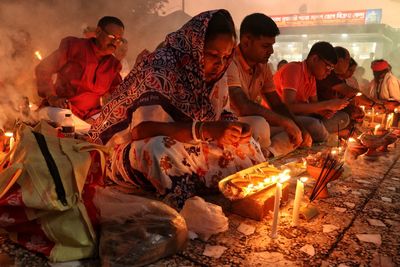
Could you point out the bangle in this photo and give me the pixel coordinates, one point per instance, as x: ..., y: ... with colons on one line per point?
x: 201, y: 132
x: 194, y: 135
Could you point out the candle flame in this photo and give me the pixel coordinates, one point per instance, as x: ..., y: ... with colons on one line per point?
x: 359, y: 94
x: 303, y: 179
x: 38, y: 55
x: 9, y: 134
x: 352, y: 140
x: 281, y: 178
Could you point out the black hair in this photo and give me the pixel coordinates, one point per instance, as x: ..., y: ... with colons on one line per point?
x: 104, y: 21
x: 220, y: 23
x: 341, y: 52
x: 257, y: 25
x: 324, y: 50
x: 352, y: 63
x: 281, y: 63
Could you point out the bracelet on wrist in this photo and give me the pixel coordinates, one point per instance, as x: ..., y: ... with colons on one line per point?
x: 194, y: 135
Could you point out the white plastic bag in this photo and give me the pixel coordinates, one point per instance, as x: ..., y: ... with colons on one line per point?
x: 203, y: 218
x: 136, y: 231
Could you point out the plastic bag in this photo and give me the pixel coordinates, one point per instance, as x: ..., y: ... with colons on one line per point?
x: 136, y: 231
x: 203, y: 218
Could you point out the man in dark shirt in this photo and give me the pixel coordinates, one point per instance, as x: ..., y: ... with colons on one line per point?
x: 335, y: 86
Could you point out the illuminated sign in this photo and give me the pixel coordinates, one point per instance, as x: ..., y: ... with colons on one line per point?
x: 369, y: 16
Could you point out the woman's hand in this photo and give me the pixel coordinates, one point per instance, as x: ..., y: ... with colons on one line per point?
x: 227, y: 133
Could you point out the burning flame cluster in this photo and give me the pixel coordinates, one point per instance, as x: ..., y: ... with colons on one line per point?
x: 38, y: 55
x: 280, y: 178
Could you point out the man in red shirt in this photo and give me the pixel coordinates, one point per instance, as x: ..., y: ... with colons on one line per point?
x: 86, y: 70
x: 296, y: 84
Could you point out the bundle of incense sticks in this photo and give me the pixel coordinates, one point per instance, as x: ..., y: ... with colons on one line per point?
x: 351, y: 132
x: 331, y: 170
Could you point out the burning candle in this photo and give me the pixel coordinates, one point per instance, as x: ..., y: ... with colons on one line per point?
x: 297, y: 200
x: 383, y: 119
x: 277, y: 203
x: 373, y: 115
x: 11, y: 140
x: 38, y: 55
x: 389, y: 121
x: 376, y: 129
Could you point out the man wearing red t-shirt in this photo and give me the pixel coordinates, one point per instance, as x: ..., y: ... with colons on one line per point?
x: 296, y: 84
x: 86, y: 70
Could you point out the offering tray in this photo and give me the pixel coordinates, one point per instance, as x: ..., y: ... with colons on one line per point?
x: 249, y: 181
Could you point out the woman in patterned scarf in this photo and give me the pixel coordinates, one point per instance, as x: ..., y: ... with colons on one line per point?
x: 168, y: 125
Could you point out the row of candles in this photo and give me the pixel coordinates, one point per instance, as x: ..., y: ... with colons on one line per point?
x: 389, y: 118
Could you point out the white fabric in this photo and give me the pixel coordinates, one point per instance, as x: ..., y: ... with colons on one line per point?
x: 390, y: 88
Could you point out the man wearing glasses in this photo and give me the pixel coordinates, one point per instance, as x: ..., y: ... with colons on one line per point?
x: 86, y: 70
x: 335, y: 86
x: 296, y: 84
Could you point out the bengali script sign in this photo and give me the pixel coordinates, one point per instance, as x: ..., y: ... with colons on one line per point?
x: 329, y: 18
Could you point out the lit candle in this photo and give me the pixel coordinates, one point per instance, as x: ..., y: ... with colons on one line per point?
x: 389, y: 121
x: 277, y: 203
x: 383, y: 119
x: 376, y: 129
x: 373, y: 115
x: 297, y: 200
x: 12, y: 140
x: 38, y: 55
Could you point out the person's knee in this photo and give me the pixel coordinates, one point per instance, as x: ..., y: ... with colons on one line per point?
x: 317, y: 130
x: 344, y: 119
x: 260, y: 129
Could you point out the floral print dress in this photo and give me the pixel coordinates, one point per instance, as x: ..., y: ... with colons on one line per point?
x: 168, y: 86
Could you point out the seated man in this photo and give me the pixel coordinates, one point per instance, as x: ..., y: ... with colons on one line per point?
x: 296, y: 84
x: 250, y: 81
x: 335, y: 86
x: 384, y: 86
x: 86, y: 70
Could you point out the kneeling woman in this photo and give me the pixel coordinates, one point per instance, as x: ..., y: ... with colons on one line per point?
x: 168, y: 125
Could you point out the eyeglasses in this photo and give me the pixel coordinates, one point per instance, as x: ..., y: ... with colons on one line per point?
x: 329, y: 66
x: 113, y: 38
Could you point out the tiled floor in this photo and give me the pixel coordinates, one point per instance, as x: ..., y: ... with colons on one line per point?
x: 362, y: 205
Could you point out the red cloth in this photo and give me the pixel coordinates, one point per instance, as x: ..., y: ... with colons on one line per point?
x: 379, y: 65
x: 81, y: 76
x: 295, y: 76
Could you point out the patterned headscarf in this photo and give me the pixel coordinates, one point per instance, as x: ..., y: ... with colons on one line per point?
x: 172, y: 77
